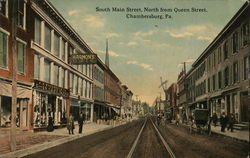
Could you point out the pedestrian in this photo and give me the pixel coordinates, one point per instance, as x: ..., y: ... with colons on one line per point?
x: 50, y: 126
x: 70, y: 124
x: 215, y: 119
x: 177, y: 119
x: 223, y: 121
x: 80, y: 122
x: 231, y: 121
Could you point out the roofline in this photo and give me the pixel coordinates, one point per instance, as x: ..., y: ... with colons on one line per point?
x: 222, y: 32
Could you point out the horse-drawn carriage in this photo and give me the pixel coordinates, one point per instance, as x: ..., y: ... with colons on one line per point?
x: 200, y: 121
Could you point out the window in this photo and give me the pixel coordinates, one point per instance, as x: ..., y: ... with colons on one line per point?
x: 71, y: 84
x: 214, y: 82
x: 235, y: 42
x: 226, y: 76
x: 56, y: 45
x: 225, y: 50
x: 63, y: 78
x: 3, y: 50
x: 56, y: 75
x: 247, y: 68
x: 86, y: 87
x: 21, y: 57
x: 81, y: 87
x: 37, y: 31
x: 63, y: 50
x: 235, y: 72
x: 21, y: 13
x: 214, y: 58
x: 208, y: 84
x: 47, y: 71
x: 3, y: 7
x: 47, y: 38
x: 245, y: 33
x: 219, y: 55
x: 76, y: 84
x: 37, y: 67
x: 219, y: 80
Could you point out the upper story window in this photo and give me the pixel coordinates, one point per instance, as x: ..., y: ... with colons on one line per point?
x: 226, y: 76
x: 3, y: 50
x: 245, y: 33
x: 63, y: 50
x: 21, y: 13
x: 21, y: 55
x: 47, y: 71
x: 56, y: 75
x: 3, y: 7
x: 219, y: 54
x: 37, y: 67
x: 247, y: 68
x: 57, y: 45
x: 219, y: 80
x: 38, y: 31
x: 47, y: 38
x: 63, y: 78
x: 225, y: 47
x: 235, y: 72
x: 235, y: 42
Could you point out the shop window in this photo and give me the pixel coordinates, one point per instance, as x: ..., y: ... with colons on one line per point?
x: 37, y: 67
x: 21, y: 55
x: 21, y: 9
x: 247, y: 68
x: 245, y: 33
x: 47, y: 38
x: 3, y: 50
x: 3, y: 7
x: 38, y: 31
x: 57, y: 45
x: 47, y: 71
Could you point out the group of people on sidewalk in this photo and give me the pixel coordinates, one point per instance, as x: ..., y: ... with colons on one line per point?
x: 71, y: 124
x: 225, y: 121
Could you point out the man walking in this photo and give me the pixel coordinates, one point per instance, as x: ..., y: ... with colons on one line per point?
x: 70, y: 124
x: 80, y: 122
x: 223, y: 122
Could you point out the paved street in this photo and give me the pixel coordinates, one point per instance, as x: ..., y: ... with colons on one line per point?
x: 117, y: 142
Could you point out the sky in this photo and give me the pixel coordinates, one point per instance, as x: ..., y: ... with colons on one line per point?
x: 142, y: 50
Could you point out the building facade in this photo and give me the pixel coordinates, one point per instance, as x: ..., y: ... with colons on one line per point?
x: 219, y: 78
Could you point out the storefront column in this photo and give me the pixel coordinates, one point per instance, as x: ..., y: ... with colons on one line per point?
x: 56, y: 111
x: 231, y: 103
x: 91, y: 112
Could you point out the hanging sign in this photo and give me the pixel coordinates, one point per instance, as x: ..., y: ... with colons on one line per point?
x: 78, y: 59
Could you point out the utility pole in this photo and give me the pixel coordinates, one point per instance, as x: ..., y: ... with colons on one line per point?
x: 14, y: 78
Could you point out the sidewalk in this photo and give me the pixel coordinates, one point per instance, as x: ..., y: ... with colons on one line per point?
x: 29, y: 142
x: 241, y: 135
x: 236, y: 134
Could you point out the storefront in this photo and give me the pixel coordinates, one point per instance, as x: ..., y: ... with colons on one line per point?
x: 49, y: 101
x: 23, y: 104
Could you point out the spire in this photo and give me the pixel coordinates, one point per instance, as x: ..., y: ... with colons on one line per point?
x: 107, y: 54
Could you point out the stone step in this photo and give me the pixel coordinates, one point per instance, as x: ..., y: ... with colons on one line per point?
x: 241, y: 126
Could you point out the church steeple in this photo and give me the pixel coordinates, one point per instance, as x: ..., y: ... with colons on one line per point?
x: 107, y: 54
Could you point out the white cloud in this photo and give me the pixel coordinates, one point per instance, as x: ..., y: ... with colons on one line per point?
x: 131, y: 43
x: 148, y: 33
x: 180, y: 35
x: 72, y: 12
x: 93, y: 21
x: 143, y: 65
x: 110, y: 35
x: 162, y: 45
x: 200, y: 32
x: 204, y: 38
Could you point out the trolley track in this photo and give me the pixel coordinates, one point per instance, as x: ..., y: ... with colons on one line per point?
x: 150, y: 143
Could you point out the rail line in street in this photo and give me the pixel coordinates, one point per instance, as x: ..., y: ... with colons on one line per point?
x: 136, y: 142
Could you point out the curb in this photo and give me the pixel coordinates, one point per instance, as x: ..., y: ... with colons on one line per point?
x: 40, y: 147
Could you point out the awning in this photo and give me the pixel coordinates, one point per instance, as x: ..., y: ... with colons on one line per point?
x: 116, y: 110
x: 74, y: 103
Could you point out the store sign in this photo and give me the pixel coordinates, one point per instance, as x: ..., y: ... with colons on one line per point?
x: 77, y: 59
x: 40, y: 85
